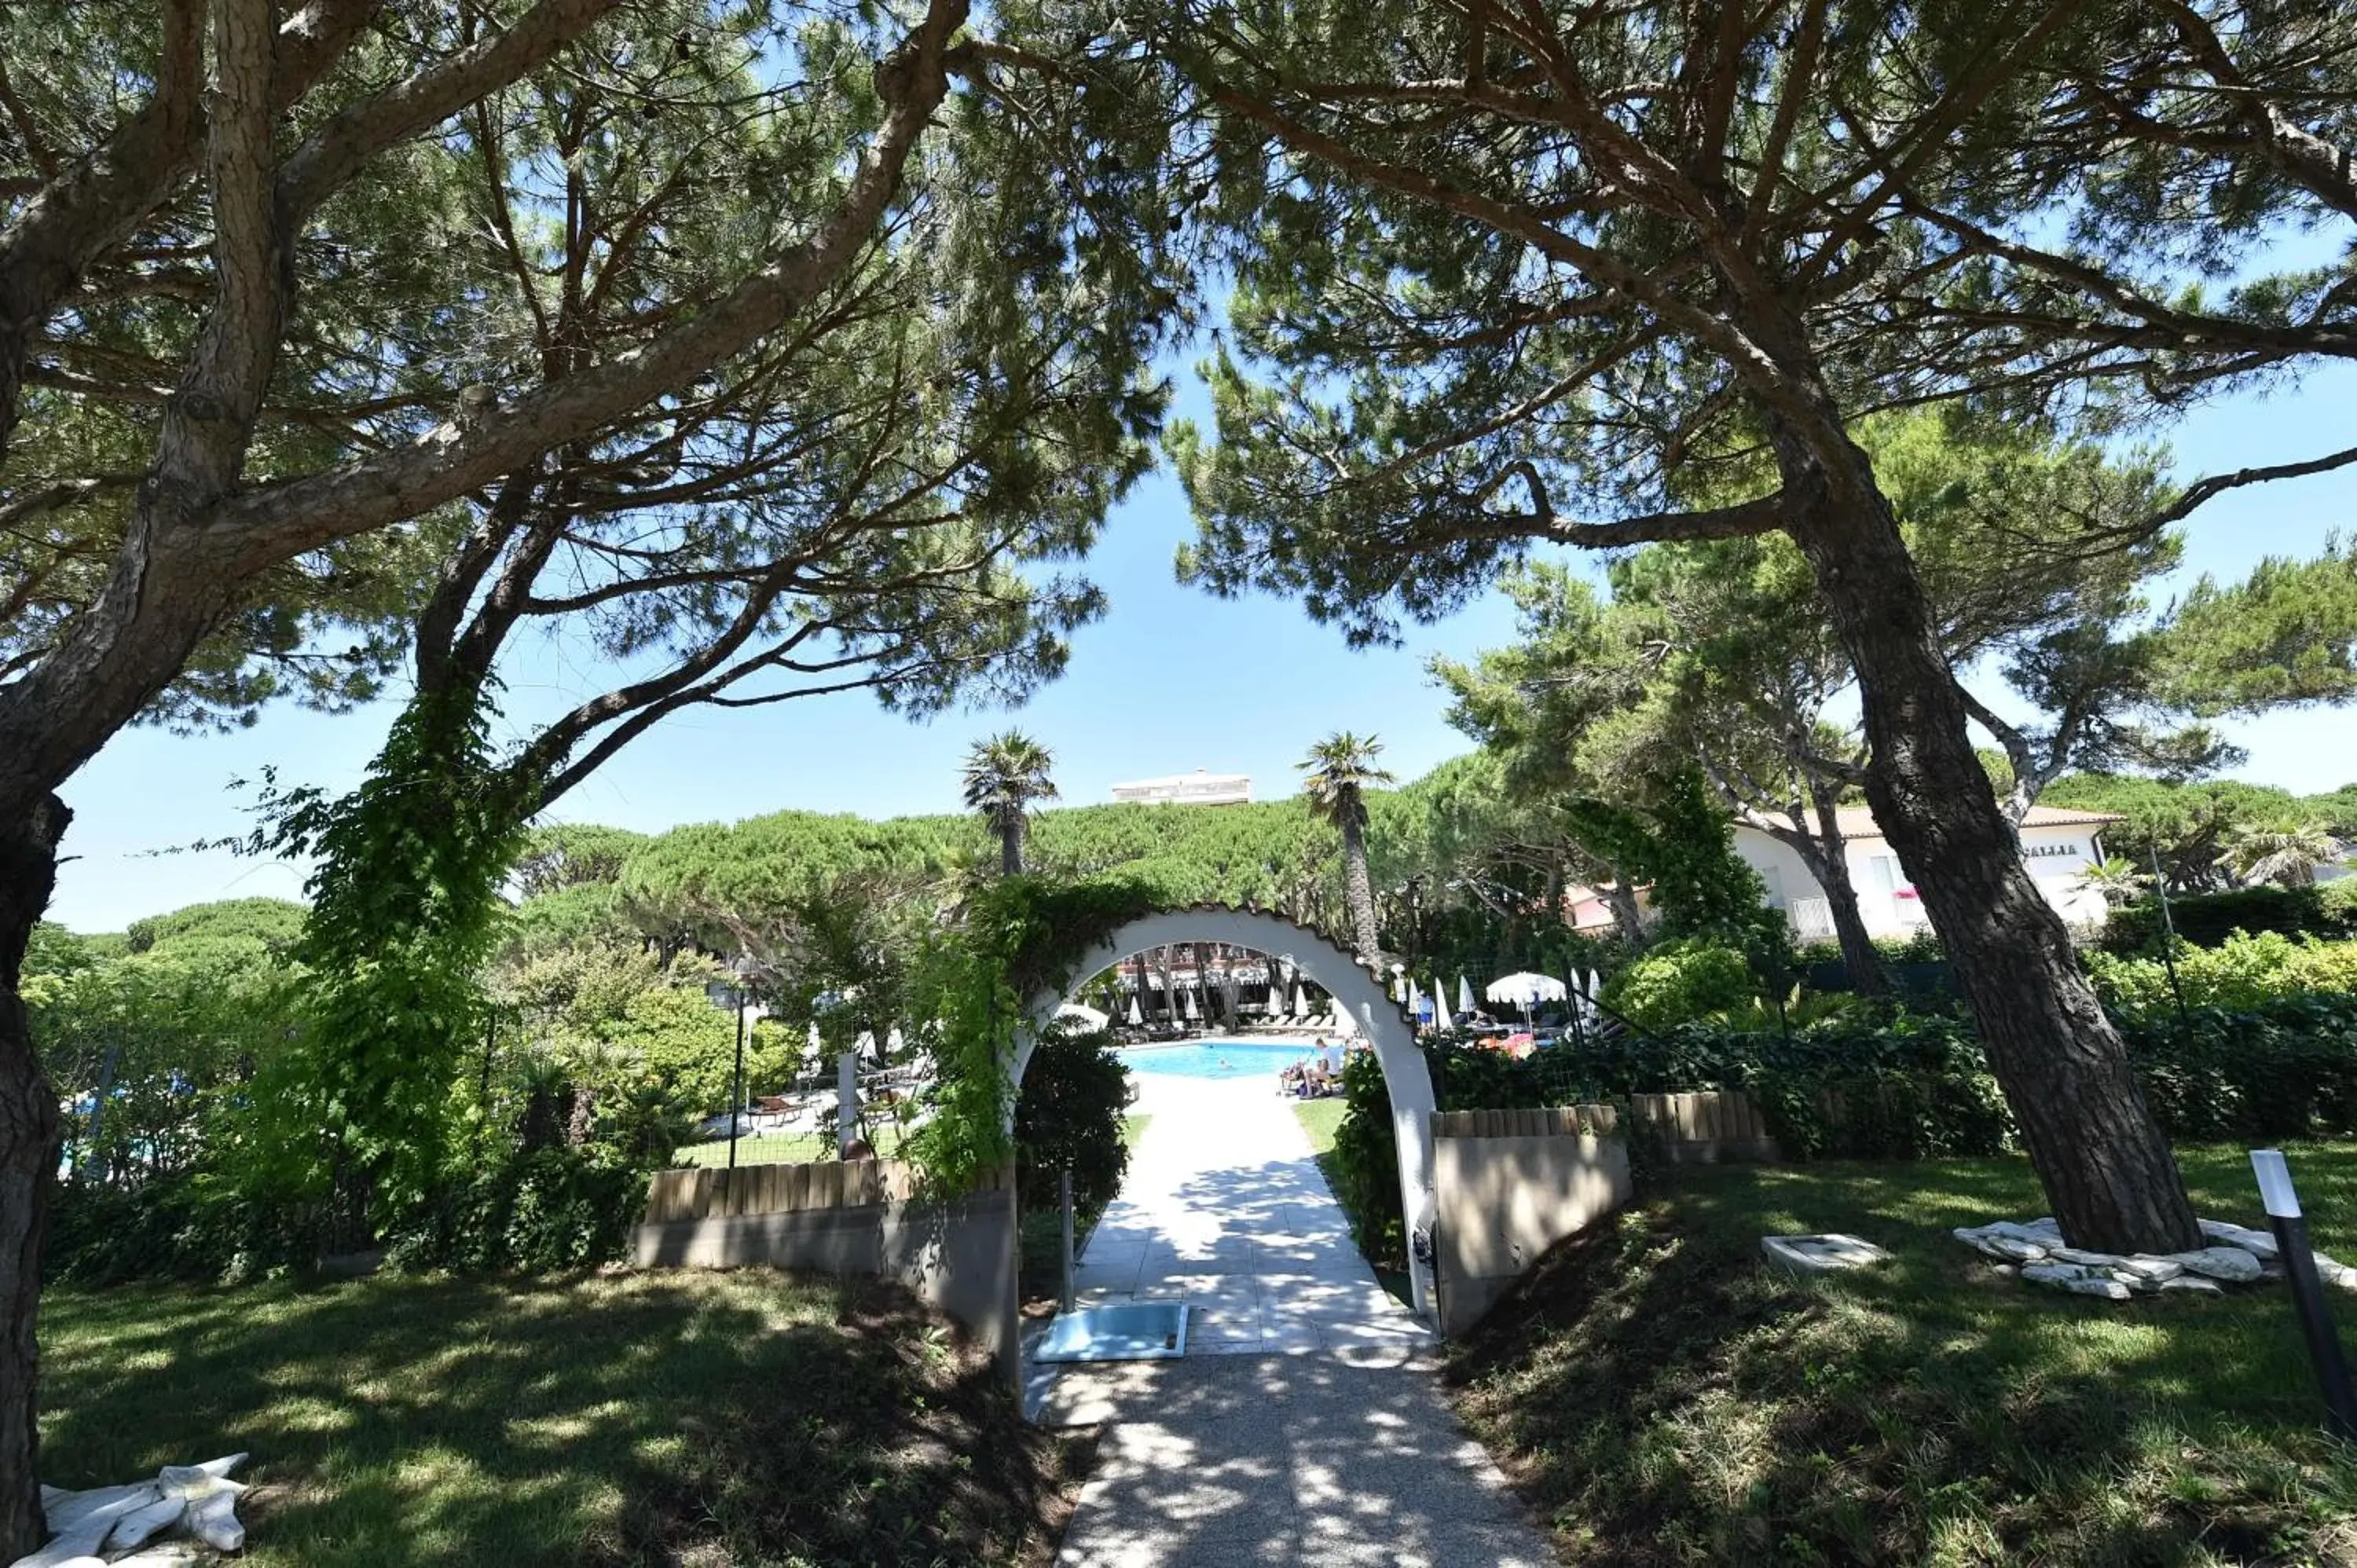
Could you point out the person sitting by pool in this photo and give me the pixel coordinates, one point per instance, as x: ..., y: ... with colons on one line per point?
x: 1289, y: 1077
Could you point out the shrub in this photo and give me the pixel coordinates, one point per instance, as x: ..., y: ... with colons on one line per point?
x: 1364, y: 1166
x: 2241, y: 974
x: 1681, y: 981
x: 2285, y: 1068
x: 2208, y: 920
x: 1075, y: 1093
x: 181, y: 1225
x: 552, y: 1208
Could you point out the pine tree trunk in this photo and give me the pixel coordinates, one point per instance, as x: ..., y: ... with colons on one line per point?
x: 1359, y: 889
x: 2106, y: 1168
x: 1860, y: 957
x: 1628, y: 916
x: 1827, y: 856
x: 28, y: 1159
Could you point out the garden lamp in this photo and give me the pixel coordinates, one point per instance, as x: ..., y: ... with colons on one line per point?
x: 734, y: 992
x: 2290, y: 1226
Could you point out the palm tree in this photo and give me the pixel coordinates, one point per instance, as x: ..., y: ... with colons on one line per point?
x: 2288, y: 855
x: 1338, y: 771
x: 2118, y: 880
x: 1003, y: 776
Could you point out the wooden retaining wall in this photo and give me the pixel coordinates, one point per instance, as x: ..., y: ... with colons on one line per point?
x: 1703, y: 1128
x: 714, y: 1193
x: 1683, y: 1128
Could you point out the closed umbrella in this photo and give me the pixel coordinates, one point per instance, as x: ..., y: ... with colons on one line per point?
x: 1464, y: 995
x: 1192, y: 1015
x: 1137, y: 1018
x: 1399, y: 989
x: 1440, y: 1018
x: 1414, y: 1001
x: 1300, y: 1003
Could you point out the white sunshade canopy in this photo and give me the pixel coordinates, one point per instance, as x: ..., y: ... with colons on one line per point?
x: 1524, y: 989
x: 1087, y: 1017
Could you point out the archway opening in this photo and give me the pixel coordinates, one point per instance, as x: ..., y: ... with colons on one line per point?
x: 1355, y: 992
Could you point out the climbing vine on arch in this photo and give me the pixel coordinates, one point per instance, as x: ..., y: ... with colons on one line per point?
x: 1020, y: 935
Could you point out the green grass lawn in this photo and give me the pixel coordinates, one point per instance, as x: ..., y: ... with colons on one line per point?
x: 739, y: 1419
x: 1664, y: 1400
x: 1319, y: 1119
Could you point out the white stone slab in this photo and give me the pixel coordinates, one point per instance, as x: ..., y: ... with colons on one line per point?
x: 1828, y: 1252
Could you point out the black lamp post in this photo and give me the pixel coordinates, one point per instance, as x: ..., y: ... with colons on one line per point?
x: 2169, y: 937
x: 1415, y: 920
x: 2290, y: 1226
x: 734, y: 992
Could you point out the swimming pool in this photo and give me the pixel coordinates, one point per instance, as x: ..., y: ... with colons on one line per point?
x: 1217, y: 1058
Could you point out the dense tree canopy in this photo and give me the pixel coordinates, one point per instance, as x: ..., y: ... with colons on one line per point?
x: 1632, y: 275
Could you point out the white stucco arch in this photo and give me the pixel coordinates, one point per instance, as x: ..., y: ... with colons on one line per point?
x: 1354, y: 988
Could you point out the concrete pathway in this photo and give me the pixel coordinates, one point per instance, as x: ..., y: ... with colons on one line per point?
x: 1304, y: 1425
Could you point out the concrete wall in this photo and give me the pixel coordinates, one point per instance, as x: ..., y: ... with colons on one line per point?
x: 1508, y: 1185
x: 960, y: 1256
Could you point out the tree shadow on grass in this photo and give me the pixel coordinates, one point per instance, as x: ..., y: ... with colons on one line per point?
x: 742, y: 1418
x: 1664, y: 1399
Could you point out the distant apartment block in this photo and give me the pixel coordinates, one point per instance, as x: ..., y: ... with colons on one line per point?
x: 1197, y: 789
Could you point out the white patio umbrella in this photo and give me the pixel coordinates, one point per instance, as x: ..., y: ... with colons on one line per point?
x: 1300, y: 1003
x: 1464, y: 995
x: 1524, y: 989
x: 1399, y: 989
x: 1137, y: 1018
x: 1193, y: 1015
x: 1414, y: 1001
x: 1440, y: 1018
x: 1079, y: 1012
x: 1587, y: 1001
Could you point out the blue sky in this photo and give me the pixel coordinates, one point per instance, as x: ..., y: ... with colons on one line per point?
x: 1171, y: 680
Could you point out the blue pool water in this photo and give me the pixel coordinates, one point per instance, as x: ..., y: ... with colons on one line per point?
x: 1217, y: 1058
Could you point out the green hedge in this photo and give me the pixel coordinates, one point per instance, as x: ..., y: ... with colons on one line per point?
x: 1904, y: 1085
x: 552, y: 1208
x: 2207, y: 920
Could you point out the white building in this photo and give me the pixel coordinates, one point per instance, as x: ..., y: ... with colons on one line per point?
x: 2058, y: 846
x: 1196, y: 788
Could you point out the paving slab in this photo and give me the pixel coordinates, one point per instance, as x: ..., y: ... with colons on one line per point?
x: 1306, y: 1426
